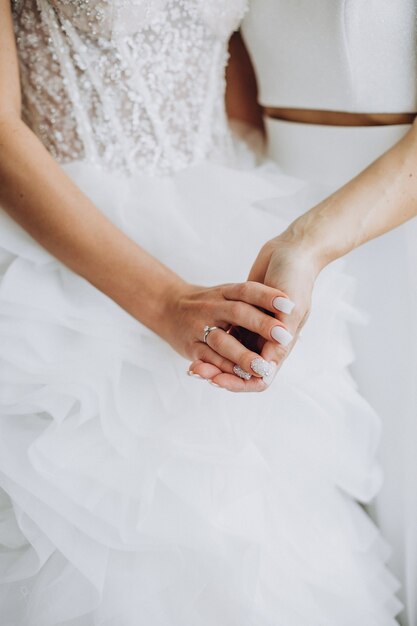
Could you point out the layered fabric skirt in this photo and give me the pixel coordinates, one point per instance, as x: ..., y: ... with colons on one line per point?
x: 135, y: 495
x: 385, y: 367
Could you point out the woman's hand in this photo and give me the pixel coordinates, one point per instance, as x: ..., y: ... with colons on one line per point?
x: 294, y: 269
x: 379, y: 199
x: 189, y: 308
x: 288, y: 266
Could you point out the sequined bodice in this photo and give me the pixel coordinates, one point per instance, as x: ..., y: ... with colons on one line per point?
x: 129, y: 84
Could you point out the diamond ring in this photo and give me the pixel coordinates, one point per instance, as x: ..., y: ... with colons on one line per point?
x: 207, y: 331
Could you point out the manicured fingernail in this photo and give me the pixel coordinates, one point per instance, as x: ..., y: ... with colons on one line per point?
x: 191, y: 373
x: 285, y: 305
x: 281, y: 335
x: 268, y: 378
x: 241, y: 373
x: 260, y: 366
x: 213, y: 383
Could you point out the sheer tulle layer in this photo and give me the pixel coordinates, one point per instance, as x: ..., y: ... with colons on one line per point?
x: 136, y: 495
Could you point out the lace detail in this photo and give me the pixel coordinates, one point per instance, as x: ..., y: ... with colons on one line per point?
x: 130, y: 84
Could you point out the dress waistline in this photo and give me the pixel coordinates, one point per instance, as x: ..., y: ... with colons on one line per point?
x: 328, y: 154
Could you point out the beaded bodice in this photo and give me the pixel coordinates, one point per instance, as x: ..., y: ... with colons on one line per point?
x: 129, y: 84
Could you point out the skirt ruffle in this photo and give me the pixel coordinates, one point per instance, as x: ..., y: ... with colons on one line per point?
x: 133, y: 494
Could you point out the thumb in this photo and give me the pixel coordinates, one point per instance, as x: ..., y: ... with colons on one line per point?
x: 259, y: 268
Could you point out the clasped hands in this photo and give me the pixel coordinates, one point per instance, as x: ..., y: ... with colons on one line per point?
x: 259, y: 320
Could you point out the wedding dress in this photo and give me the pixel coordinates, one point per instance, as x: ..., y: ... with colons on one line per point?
x: 132, y: 494
x: 358, y: 57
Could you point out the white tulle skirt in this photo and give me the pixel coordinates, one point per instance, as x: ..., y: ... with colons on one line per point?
x: 134, y: 495
x: 385, y: 367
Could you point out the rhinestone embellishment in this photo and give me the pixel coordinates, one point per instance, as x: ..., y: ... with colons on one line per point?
x: 241, y: 372
x: 262, y: 367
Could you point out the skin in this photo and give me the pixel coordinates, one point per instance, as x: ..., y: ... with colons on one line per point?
x: 38, y: 195
x: 339, y: 118
x: 378, y: 200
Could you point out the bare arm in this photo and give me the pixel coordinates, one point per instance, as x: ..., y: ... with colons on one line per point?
x: 379, y: 199
x: 38, y: 195
x: 44, y: 201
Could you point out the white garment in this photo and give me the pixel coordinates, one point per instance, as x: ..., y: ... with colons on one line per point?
x: 133, y: 494
x: 95, y: 75
x: 357, y: 56
x: 386, y: 363
x: 340, y: 55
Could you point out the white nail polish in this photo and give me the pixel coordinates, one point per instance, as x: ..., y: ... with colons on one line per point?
x: 268, y: 378
x: 285, y: 305
x: 190, y: 373
x: 213, y: 383
x: 281, y: 335
x: 241, y: 373
x: 261, y: 367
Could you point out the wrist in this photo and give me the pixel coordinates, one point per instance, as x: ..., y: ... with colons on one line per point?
x: 149, y: 294
x: 305, y: 246
x: 164, y: 323
x: 311, y: 236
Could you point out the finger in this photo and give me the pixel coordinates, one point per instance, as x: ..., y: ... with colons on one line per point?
x: 206, y: 371
x: 203, y: 370
x: 248, y: 362
x: 258, y: 322
x: 238, y: 385
x: 276, y: 352
x: 205, y: 354
x: 211, y: 373
x: 259, y: 295
x: 260, y: 266
x: 226, y: 381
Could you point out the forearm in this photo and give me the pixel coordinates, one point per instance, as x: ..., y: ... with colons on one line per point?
x: 381, y: 198
x: 37, y: 193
